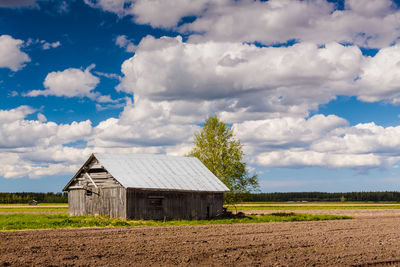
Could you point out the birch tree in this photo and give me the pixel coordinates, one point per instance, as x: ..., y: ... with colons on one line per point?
x: 216, y: 147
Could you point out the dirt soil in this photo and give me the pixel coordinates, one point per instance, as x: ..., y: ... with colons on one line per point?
x: 363, y: 241
x: 357, y: 213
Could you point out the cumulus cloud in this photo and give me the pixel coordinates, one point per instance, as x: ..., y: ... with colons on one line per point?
x: 266, y: 93
x: 143, y: 124
x: 369, y: 23
x: 380, y: 76
x: 323, y: 141
x: 71, y: 82
x: 19, y: 113
x: 43, y: 43
x: 157, y: 13
x: 36, y: 147
x: 61, y: 6
x: 41, y: 117
x: 47, y: 45
x: 287, y: 132
x: 371, y: 7
x: 123, y: 42
x: 289, y: 158
x: 115, y: 6
x: 161, y: 13
x: 11, y: 56
x: 19, y: 3
x: 241, y: 76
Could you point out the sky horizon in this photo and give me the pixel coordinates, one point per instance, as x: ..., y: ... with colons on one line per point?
x: 311, y: 88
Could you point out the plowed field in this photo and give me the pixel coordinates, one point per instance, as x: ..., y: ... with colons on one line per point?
x: 371, y: 239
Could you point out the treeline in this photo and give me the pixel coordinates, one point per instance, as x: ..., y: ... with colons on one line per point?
x: 323, y: 196
x: 25, y: 197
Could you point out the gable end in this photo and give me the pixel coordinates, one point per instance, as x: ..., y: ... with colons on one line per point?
x: 92, y: 175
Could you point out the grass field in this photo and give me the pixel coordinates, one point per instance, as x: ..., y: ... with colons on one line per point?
x: 314, y: 205
x: 38, y: 205
x: 55, y: 221
x: 44, y: 207
x: 63, y: 208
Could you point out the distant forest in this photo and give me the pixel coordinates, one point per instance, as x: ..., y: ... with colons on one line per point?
x: 11, y: 198
x: 19, y: 198
x: 323, y: 196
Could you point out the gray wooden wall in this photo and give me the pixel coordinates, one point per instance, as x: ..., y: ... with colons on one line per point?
x: 147, y: 204
x: 103, y: 201
x: 107, y: 197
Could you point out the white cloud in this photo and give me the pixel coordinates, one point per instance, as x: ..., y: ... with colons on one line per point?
x: 240, y: 76
x: 43, y: 43
x: 36, y: 148
x: 286, y: 183
x: 69, y: 83
x: 11, y: 56
x: 290, y: 158
x: 13, y: 94
x: 12, y: 115
x: 47, y: 45
x: 365, y: 23
x: 41, y: 117
x: 60, y: 6
x: 108, y: 75
x: 371, y: 7
x: 114, y: 6
x: 323, y: 141
x: 370, y: 23
x: 19, y: 3
x: 144, y: 124
x: 380, y: 76
x: 123, y: 42
x: 287, y: 132
x: 165, y: 14
x: 157, y: 13
x: 265, y: 92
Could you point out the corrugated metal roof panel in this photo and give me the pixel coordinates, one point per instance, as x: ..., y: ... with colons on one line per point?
x: 160, y: 172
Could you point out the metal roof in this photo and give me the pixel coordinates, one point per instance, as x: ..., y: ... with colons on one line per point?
x: 160, y: 172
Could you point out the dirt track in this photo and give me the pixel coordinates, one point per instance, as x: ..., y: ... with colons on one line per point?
x: 366, y: 240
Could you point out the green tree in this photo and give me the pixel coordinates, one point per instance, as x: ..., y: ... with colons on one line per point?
x: 218, y: 150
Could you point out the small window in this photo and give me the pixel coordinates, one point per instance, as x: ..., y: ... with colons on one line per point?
x: 155, y: 201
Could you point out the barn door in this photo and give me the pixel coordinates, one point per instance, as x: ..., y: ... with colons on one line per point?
x: 155, y: 207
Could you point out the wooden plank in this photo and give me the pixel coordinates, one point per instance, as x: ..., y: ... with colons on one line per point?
x: 95, y: 166
x: 90, y: 178
x: 101, y: 175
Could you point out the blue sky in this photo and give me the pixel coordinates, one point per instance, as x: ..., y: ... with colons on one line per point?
x: 311, y: 88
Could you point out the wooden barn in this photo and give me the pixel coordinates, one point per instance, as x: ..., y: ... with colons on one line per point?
x: 133, y: 186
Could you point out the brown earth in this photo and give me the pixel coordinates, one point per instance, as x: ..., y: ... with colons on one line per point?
x: 357, y: 213
x: 372, y: 240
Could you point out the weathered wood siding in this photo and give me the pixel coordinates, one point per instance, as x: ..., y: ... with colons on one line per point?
x: 108, y: 197
x: 94, y: 191
x: 146, y: 204
x: 107, y: 201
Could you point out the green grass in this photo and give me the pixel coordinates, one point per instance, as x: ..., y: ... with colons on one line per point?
x: 323, y: 203
x: 56, y: 221
x: 53, y: 207
x: 35, y: 209
x: 310, y: 207
x: 39, y: 204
